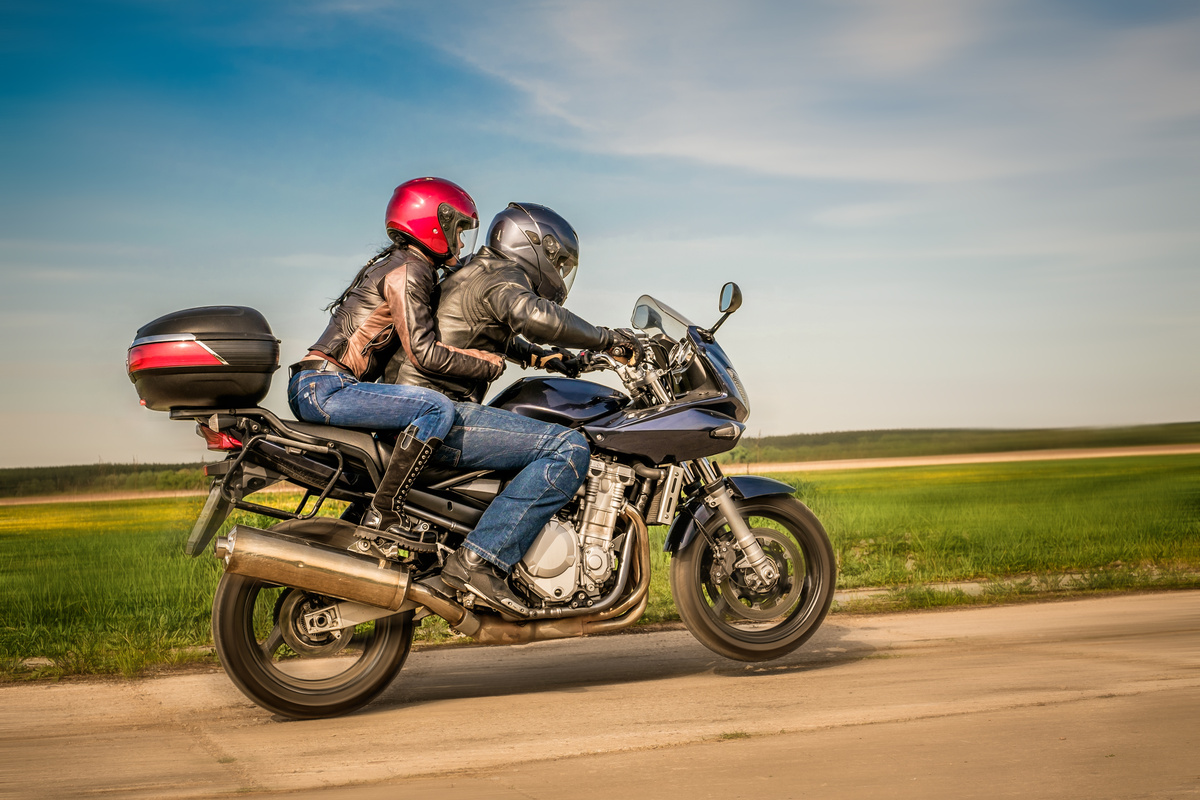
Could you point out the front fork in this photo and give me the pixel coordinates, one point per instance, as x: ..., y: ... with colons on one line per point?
x: 718, y: 496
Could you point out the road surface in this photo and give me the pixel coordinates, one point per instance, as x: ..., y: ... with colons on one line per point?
x: 1096, y: 698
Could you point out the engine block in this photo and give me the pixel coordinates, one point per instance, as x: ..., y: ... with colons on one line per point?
x: 570, y: 556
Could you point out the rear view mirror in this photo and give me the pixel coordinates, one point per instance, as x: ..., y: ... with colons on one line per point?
x: 641, y: 317
x: 731, y: 301
x: 731, y: 298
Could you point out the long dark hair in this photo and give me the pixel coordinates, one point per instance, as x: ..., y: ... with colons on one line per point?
x: 362, y: 273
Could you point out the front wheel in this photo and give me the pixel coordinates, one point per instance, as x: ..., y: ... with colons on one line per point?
x: 724, y: 605
x: 263, y: 646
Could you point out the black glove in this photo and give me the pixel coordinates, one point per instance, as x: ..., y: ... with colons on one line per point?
x: 548, y: 357
x: 625, y: 347
x: 570, y: 367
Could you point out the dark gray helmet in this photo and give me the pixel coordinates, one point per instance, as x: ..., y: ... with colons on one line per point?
x: 542, y: 242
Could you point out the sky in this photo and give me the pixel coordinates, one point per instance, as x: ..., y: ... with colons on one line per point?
x: 940, y: 214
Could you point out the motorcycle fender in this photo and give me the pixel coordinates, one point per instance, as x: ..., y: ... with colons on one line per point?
x: 695, y: 514
x: 216, y: 509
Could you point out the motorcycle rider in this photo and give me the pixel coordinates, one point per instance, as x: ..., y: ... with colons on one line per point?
x: 506, y: 299
x: 388, y: 308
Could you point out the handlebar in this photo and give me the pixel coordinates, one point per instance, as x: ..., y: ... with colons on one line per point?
x: 645, y: 376
x: 591, y: 362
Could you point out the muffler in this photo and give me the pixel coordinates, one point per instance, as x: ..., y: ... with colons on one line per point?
x: 289, y: 561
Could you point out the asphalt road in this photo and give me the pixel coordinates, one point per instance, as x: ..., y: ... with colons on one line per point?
x: 1095, y: 698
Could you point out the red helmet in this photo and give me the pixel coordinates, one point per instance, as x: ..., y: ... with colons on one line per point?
x: 435, y: 214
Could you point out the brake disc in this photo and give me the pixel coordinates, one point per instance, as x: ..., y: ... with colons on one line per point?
x: 773, y: 601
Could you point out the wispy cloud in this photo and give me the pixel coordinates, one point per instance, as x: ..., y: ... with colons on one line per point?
x: 922, y: 92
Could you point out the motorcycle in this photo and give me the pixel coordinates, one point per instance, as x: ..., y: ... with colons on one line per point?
x: 314, y: 616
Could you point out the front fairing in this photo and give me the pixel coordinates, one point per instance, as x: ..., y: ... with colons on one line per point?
x: 677, y: 432
x: 712, y: 378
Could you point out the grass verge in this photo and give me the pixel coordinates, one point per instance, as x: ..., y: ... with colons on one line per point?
x: 104, y: 588
x: 921, y: 525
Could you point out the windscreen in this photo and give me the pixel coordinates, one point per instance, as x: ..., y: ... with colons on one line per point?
x: 654, y: 318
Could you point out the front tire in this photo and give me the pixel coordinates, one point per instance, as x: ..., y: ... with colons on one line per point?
x: 321, y: 677
x: 716, y: 600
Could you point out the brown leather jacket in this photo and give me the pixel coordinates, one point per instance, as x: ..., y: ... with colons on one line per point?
x: 389, y: 309
x: 488, y: 305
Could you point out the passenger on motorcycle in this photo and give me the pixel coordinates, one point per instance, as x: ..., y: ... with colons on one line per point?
x: 507, y: 299
x: 387, y: 309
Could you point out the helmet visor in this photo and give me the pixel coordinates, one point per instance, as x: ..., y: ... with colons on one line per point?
x: 464, y: 243
x: 459, y: 229
x: 564, y: 257
x: 568, y: 277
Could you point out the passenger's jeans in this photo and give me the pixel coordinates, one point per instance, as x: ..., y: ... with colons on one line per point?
x: 334, y: 398
x: 553, y: 461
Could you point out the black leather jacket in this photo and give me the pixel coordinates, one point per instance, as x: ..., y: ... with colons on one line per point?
x: 389, y: 309
x: 488, y: 304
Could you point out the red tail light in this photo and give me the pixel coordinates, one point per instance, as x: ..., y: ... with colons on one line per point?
x: 165, y: 354
x: 218, y: 440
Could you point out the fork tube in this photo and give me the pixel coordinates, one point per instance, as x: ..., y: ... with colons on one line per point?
x: 718, y: 496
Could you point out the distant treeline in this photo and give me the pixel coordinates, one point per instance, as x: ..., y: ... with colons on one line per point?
x: 948, y: 441
x: 95, y: 478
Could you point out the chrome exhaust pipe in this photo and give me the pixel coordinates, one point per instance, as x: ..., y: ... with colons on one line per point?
x: 289, y: 561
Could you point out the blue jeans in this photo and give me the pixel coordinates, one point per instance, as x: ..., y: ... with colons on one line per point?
x: 553, y: 461
x: 333, y: 398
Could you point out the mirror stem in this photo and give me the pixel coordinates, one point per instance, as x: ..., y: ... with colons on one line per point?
x: 720, y: 322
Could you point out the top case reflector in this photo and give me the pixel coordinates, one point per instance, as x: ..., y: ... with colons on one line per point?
x: 164, y: 355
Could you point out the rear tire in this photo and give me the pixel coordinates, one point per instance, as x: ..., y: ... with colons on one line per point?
x: 731, y: 619
x: 330, y: 678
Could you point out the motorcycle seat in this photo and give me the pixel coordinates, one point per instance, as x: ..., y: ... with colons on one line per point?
x: 378, y: 446
x: 364, y: 444
x: 354, y: 438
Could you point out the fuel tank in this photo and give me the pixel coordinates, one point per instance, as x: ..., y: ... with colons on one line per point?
x: 569, y: 402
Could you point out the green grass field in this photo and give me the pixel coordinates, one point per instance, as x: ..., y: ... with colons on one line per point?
x: 105, y: 587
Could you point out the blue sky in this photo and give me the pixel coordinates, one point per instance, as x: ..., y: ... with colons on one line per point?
x: 941, y: 213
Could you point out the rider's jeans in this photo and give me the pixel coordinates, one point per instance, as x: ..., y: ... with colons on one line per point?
x: 334, y: 398
x: 553, y: 461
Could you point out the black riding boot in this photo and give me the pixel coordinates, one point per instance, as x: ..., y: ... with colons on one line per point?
x: 467, y: 571
x: 408, y: 459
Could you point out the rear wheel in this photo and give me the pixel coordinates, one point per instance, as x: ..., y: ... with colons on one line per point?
x: 724, y: 605
x: 267, y: 652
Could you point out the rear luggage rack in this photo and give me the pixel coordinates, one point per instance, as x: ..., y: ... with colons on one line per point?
x: 263, y: 426
x: 234, y: 470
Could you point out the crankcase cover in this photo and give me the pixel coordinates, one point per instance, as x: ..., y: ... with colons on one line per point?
x: 549, y: 566
x: 555, y: 550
